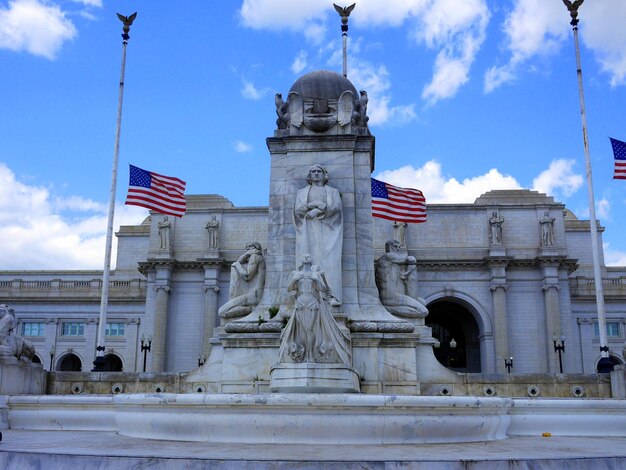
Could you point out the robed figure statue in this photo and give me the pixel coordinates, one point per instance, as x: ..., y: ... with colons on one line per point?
x: 312, y: 334
x: 318, y: 219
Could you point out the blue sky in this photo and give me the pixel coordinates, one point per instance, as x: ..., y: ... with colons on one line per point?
x: 464, y: 97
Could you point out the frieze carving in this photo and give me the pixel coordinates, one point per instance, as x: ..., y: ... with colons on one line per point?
x: 248, y: 327
x: 380, y: 327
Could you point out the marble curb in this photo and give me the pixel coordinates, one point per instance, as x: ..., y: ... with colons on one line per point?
x: 568, y: 417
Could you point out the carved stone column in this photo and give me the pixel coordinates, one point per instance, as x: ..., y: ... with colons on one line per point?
x: 550, y: 288
x: 500, y: 314
x: 159, y: 337
x: 211, y: 290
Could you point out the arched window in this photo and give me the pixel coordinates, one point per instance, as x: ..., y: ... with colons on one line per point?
x: 112, y: 363
x: 70, y: 363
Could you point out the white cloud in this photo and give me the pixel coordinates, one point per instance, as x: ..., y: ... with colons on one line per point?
x: 533, y: 27
x: 558, y: 179
x: 37, y: 232
x: 299, y: 63
x: 281, y: 14
x: 455, y: 29
x: 241, y: 147
x: 438, y: 188
x: 603, y: 210
x: 90, y: 3
x: 249, y: 91
x: 539, y: 28
x: 613, y: 257
x: 602, y: 30
x: 37, y: 27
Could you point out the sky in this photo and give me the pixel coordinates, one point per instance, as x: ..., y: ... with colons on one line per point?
x: 464, y: 97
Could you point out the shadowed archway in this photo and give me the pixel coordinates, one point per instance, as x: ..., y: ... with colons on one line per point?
x: 452, y: 321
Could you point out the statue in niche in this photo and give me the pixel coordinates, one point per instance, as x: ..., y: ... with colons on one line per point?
x: 282, y: 111
x: 396, y: 279
x: 164, y: 233
x: 247, y: 279
x: 11, y: 344
x: 318, y: 218
x: 399, y: 232
x: 547, y: 229
x: 312, y: 334
x: 495, y: 223
x: 212, y: 227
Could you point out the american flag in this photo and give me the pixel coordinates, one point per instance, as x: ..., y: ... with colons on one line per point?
x: 619, y: 152
x: 163, y: 194
x: 397, y: 204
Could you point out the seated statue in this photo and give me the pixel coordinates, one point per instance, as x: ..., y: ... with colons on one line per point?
x: 312, y: 334
x: 396, y: 279
x: 11, y: 344
x: 247, y: 279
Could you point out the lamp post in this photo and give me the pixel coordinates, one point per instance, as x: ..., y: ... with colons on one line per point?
x: 508, y: 363
x: 52, y: 351
x: 559, y: 348
x: 145, y: 348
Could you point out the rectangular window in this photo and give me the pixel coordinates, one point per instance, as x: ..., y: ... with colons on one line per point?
x: 612, y: 329
x: 114, y: 329
x: 33, y: 328
x: 73, y: 329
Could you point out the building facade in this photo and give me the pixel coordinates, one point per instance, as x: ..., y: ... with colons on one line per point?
x: 494, y: 287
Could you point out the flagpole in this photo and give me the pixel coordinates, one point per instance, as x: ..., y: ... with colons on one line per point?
x: 344, y: 12
x: 604, y: 365
x: 99, y: 363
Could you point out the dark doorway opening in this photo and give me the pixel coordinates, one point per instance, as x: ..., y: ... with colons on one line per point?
x: 455, y: 328
x: 112, y: 363
x: 70, y: 363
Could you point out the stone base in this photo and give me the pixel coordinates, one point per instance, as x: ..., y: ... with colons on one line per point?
x: 309, y: 377
x: 21, y: 378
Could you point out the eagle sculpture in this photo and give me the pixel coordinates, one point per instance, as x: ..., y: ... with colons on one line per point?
x: 344, y: 12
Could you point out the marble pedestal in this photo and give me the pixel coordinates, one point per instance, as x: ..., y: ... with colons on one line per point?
x: 21, y: 378
x: 309, y: 377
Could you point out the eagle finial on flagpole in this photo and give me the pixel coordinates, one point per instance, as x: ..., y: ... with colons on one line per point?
x: 128, y: 21
x: 344, y: 12
x: 573, y: 9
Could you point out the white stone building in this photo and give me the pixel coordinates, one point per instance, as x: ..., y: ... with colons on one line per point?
x: 500, y: 277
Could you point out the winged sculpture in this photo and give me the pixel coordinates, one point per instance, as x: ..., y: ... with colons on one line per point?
x: 127, y: 20
x: 572, y: 7
x: 344, y: 11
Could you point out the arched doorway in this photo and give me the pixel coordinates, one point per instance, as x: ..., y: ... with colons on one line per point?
x: 615, y: 361
x: 70, y: 363
x: 112, y: 363
x: 452, y: 321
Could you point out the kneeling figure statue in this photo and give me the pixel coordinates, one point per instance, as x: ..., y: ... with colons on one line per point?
x: 396, y: 279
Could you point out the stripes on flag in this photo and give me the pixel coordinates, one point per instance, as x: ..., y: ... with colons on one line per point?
x: 163, y: 194
x: 619, y: 153
x: 397, y: 204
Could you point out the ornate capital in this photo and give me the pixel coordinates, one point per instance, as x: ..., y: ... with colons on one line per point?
x: 550, y: 285
x: 495, y: 285
x: 166, y: 289
x: 214, y: 287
